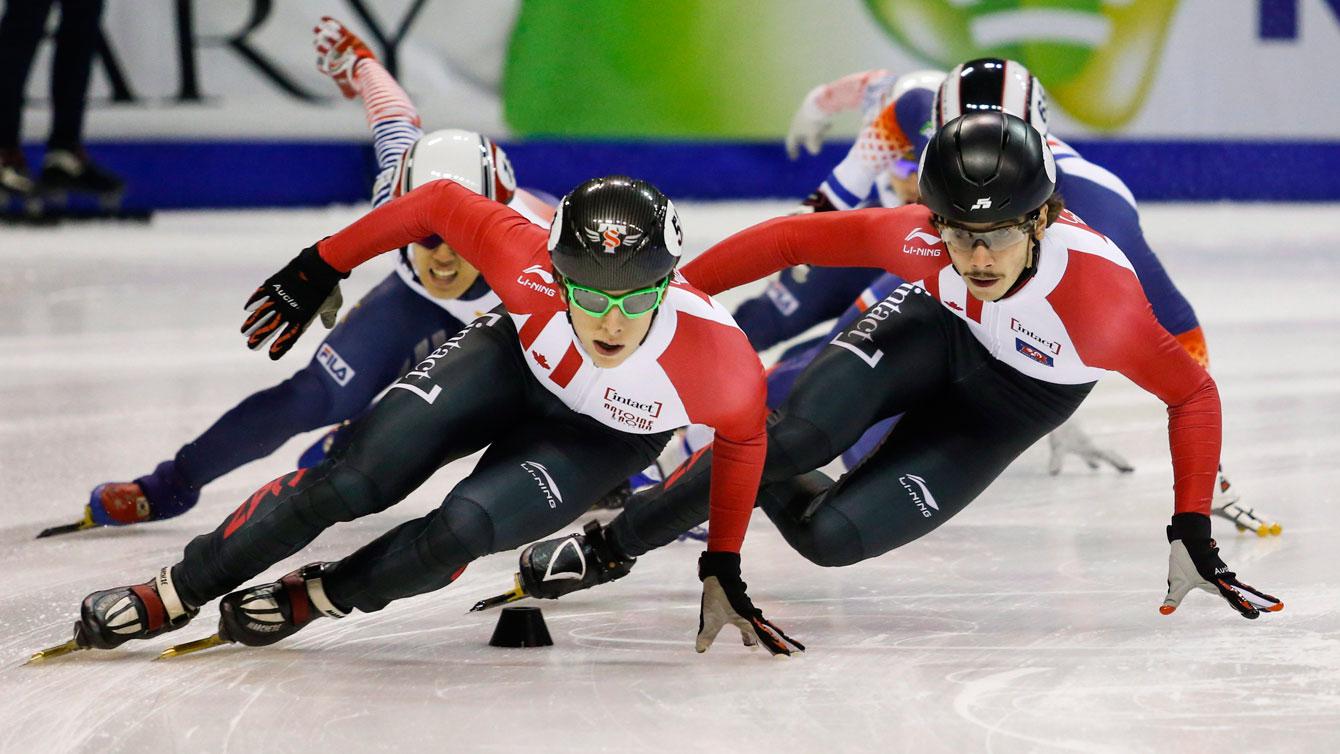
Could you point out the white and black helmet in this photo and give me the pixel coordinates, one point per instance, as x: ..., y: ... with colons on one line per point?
x: 466, y: 157
x: 992, y: 84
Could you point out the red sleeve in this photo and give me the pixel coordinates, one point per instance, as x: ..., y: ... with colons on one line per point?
x: 497, y: 240
x: 1121, y: 334
x: 900, y: 240
x: 730, y: 398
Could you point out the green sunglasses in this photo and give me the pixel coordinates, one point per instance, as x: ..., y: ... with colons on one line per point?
x: 633, y: 304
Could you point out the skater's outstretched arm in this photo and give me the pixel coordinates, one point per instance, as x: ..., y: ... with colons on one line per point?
x: 390, y: 113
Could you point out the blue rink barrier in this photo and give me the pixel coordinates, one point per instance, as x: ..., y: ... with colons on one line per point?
x: 223, y: 174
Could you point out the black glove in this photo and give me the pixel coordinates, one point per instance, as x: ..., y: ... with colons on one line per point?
x: 725, y: 601
x: 1195, y: 562
x: 287, y: 301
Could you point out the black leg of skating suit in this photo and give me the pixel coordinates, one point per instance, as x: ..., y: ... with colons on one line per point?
x: 967, y: 416
x: 544, y: 466
x: 21, y: 30
x: 76, y: 41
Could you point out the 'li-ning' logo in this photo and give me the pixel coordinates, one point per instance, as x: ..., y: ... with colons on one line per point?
x: 920, y: 493
x: 613, y: 235
x: 983, y: 203
x: 543, y: 481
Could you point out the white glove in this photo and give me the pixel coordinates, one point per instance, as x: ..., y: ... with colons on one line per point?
x: 808, y: 125
x: 726, y: 603
x: 1070, y: 439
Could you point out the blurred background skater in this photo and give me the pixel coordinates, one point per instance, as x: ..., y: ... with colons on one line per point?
x: 66, y: 167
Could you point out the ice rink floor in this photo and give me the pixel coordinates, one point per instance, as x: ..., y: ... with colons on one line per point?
x: 1028, y: 623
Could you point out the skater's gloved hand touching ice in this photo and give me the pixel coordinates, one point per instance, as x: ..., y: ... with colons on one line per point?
x: 1195, y: 563
x: 1068, y: 439
x: 338, y: 51
x: 286, y: 302
x: 725, y: 601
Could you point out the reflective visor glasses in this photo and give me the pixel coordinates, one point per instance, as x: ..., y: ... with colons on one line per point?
x: 903, y: 169
x: 633, y: 304
x: 996, y: 238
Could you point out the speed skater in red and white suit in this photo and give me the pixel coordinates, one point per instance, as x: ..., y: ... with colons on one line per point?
x: 1013, y: 310
x: 599, y: 353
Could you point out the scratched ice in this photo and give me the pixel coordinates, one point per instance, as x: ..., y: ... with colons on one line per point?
x: 1028, y: 623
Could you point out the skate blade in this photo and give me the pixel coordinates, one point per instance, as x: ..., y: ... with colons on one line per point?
x: 199, y: 645
x: 72, y: 645
x: 85, y: 523
x: 502, y: 599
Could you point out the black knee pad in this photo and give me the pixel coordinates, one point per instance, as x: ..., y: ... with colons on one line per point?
x: 338, y: 492
x: 827, y: 538
x: 461, y: 526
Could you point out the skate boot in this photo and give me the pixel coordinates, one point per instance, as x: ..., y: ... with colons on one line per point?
x: 262, y: 615
x: 162, y: 494
x: 614, y: 499
x: 555, y: 567
x: 14, y: 178
x: 112, y: 617
x: 1227, y: 503
x: 651, y: 476
x: 118, y: 504
x: 70, y: 171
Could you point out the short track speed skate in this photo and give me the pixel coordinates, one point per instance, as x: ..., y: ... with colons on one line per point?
x: 1227, y: 504
x: 555, y: 567
x: 262, y: 615
x: 112, y: 617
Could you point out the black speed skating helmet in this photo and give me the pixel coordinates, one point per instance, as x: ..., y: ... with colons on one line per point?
x: 986, y: 168
x: 615, y: 233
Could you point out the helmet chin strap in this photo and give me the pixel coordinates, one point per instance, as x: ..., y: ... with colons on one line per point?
x: 1030, y: 269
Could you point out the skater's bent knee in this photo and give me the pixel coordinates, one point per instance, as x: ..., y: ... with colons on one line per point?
x: 461, y: 527
x: 335, y: 492
x: 831, y: 540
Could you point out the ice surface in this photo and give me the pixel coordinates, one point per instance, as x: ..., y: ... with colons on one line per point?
x: 1029, y: 623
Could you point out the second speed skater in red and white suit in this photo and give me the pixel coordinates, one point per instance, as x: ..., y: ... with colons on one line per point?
x: 1013, y: 310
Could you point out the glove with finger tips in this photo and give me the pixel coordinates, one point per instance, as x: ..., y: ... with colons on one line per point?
x: 808, y: 126
x: 725, y: 602
x: 338, y: 50
x: 1070, y: 439
x: 284, y: 305
x: 1194, y: 562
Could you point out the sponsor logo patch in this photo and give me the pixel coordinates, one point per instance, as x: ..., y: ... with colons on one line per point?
x: 338, y: 369
x: 917, y: 234
x: 543, y: 285
x: 783, y: 299
x: 982, y: 203
x: 540, y: 474
x: 1051, y: 345
x: 920, y: 493
x: 1033, y: 353
x: 420, y: 370
x: 634, y: 413
x: 859, y: 336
